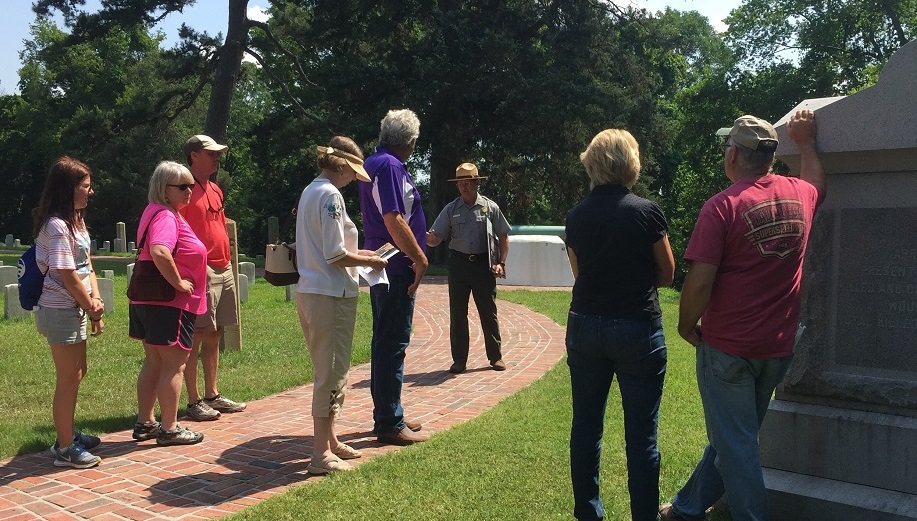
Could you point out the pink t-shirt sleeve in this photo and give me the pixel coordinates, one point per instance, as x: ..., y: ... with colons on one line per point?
x: 163, y: 230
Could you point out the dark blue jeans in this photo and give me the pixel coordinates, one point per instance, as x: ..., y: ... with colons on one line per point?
x: 599, y: 348
x: 393, y: 314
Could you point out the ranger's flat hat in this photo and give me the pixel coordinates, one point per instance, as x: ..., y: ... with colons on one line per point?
x: 467, y: 171
x: 753, y: 133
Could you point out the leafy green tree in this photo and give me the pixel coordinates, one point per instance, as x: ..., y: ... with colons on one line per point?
x: 520, y: 86
x: 838, y: 43
x: 94, y: 101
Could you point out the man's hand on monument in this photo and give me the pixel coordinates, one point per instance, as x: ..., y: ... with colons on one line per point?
x: 801, y: 128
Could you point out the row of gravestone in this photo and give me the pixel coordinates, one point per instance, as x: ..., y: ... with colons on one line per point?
x: 12, y: 310
x: 13, y: 243
x: 121, y: 244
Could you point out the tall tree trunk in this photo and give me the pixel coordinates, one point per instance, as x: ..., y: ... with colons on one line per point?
x: 444, y: 158
x: 229, y: 63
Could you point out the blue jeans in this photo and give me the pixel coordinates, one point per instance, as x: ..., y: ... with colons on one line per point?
x: 599, y: 348
x: 393, y: 314
x: 735, y: 392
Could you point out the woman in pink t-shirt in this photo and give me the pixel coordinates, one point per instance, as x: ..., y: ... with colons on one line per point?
x: 167, y: 328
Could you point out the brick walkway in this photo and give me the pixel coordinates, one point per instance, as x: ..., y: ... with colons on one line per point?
x: 251, y: 456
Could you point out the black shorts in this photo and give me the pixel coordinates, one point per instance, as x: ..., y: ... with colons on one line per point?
x: 161, y: 325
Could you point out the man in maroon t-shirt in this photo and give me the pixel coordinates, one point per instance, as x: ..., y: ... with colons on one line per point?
x: 746, y: 257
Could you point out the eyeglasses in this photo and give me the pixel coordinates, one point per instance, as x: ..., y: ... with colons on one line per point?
x: 184, y: 187
x: 210, y: 207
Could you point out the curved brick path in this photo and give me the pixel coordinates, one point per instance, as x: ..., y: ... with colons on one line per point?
x: 251, y: 456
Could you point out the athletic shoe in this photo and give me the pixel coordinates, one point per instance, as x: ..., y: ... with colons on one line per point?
x: 224, y: 404
x: 202, y: 412
x: 75, y: 456
x: 88, y: 441
x: 146, y: 431
x: 178, y: 436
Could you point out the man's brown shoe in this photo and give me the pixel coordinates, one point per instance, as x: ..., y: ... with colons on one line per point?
x: 498, y: 365
x: 457, y: 368
x: 403, y: 438
x: 414, y: 426
x: 667, y: 513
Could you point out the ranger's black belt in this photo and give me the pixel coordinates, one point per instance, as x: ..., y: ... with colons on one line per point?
x: 470, y: 257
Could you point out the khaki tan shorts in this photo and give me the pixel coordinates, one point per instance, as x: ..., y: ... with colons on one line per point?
x: 221, y: 302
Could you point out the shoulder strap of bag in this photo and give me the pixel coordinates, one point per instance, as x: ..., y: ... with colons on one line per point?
x: 143, y: 237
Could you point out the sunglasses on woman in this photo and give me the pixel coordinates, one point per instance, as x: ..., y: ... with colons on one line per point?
x: 184, y: 187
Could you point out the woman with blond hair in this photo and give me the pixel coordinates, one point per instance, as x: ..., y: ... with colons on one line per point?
x: 619, y: 252
x: 69, y: 298
x: 326, y: 295
x: 167, y: 327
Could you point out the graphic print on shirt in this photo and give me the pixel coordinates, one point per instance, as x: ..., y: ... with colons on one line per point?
x: 334, y: 210
x: 775, y: 227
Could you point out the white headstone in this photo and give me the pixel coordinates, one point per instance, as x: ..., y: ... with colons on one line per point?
x: 106, y: 246
x: 243, y: 287
x: 93, y: 247
x: 130, y: 271
x: 107, y: 289
x: 11, y: 307
x: 248, y: 268
x: 120, y: 236
x: 17, y: 243
x: 108, y: 274
x: 291, y: 292
x: 131, y: 246
x: 9, y: 240
x: 9, y: 275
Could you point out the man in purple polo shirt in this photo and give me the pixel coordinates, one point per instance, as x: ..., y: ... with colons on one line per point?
x: 392, y: 213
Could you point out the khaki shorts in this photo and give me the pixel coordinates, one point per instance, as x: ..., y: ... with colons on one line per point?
x: 221, y: 302
x: 61, y: 326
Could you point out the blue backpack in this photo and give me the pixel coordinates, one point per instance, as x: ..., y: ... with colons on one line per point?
x: 31, y: 280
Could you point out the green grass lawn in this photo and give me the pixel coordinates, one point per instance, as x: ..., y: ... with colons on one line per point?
x: 272, y: 339
x: 509, y: 463
x: 512, y: 461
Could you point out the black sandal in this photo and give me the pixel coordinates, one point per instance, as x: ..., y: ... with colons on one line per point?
x: 146, y: 431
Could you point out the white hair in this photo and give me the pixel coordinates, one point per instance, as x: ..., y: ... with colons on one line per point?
x: 399, y: 128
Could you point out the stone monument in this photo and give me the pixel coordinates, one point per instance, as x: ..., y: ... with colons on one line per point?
x: 840, y: 440
x: 120, y: 237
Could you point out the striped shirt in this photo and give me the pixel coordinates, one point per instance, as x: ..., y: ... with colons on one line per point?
x: 57, y: 249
